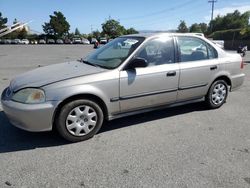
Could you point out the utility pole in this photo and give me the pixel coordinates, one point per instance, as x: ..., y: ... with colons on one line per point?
x: 91, y: 28
x: 212, y: 1
x: 212, y: 14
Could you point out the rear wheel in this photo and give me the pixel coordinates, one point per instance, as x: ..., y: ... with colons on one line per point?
x: 79, y: 120
x: 217, y: 94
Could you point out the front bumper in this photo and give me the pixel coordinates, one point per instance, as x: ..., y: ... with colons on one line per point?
x: 30, y: 117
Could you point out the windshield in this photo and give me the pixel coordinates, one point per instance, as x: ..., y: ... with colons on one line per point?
x: 114, y: 53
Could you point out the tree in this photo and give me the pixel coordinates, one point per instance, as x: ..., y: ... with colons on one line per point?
x: 131, y: 31
x: 3, y: 21
x: 70, y: 35
x: 203, y: 27
x: 198, y: 28
x: 234, y: 20
x: 195, y: 28
x: 113, y: 29
x: 33, y: 37
x: 84, y: 35
x: 182, y: 28
x: 77, y: 32
x: 90, y: 36
x: 245, y: 33
x: 96, y: 34
x: 22, y: 34
x: 57, y: 26
x: 15, y: 21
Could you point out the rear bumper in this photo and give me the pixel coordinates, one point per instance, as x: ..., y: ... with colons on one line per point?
x: 29, y: 117
x: 237, y: 81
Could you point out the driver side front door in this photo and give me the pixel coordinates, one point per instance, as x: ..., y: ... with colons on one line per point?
x: 154, y: 85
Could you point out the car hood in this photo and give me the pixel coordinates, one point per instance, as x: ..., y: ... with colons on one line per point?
x: 53, y: 73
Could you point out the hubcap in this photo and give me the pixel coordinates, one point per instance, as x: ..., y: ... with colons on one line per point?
x: 81, y: 120
x: 219, y: 93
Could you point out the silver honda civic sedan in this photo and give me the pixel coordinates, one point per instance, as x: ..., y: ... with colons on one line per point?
x: 130, y: 75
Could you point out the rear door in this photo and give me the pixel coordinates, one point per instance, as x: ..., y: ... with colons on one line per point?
x: 155, y: 84
x: 198, y: 65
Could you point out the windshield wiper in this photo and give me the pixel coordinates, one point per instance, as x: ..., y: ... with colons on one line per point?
x: 87, y: 62
x: 104, y: 67
x: 92, y: 64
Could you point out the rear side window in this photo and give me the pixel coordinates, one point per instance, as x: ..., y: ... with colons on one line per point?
x: 194, y: 49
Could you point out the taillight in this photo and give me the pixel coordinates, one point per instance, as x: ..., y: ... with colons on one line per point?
x: 242, y: 64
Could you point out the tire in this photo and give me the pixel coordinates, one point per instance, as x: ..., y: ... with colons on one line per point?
x: 217, y: 94
x: 79, y: 120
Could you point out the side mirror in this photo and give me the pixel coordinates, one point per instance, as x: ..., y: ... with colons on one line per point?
x: 137, y: 62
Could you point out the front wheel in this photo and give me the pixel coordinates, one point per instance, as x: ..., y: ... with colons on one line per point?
x: 217, y: 94
x: 79, y: 120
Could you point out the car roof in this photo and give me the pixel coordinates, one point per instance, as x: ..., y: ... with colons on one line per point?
x: 152, y: 35
x: 149, y: 35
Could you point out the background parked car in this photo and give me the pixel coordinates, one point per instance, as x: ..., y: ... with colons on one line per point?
x: 42, y: 41
x: 33, y: 42
x: 93, y: 40
x: 103, y: 40
x: 85, y: 41
x: 59, y: 41
x: 25, y: 41
x: 67, y: 41
x: 219, y: 43
x: 16, y: 41
x: 77, y: 41
x: 50, y: 41
x: 7, y: 41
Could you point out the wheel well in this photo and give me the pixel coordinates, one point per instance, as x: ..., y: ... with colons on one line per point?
x: 225, y: 78
x: 91, y: 97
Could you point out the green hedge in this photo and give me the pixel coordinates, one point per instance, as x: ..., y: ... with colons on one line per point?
x: 226, y: 34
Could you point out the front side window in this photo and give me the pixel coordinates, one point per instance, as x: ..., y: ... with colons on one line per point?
x: 194, y: 49
x: 114, y: 53
x: 158, y: 51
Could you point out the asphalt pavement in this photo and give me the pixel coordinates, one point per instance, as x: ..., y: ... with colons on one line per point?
x: 185, y: 146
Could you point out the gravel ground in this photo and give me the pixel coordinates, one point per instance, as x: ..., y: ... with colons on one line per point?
x: 186, y: 146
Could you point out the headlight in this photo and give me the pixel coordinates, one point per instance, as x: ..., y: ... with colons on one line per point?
x: 29, y: 96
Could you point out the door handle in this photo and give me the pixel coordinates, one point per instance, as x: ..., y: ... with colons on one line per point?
x: 171, y: 73
x: 213, y: 67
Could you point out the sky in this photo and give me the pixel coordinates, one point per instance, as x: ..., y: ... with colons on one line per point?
x: 87, y: 15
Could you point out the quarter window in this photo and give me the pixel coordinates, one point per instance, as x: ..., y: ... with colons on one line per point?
x: 194, y: 49
x: 158, y: 51
x: 211, y: 52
